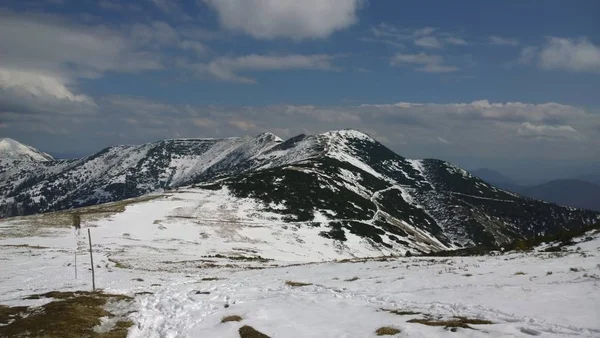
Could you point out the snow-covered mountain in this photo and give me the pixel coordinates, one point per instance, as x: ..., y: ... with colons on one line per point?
x: 342, y: 184
x: 11, y: 149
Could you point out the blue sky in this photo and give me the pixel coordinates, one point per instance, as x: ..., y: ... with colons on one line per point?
x: 507, y: 84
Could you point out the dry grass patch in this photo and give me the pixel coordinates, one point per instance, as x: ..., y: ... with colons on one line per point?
x: 296, y: 284
x: 71, y: 315
x: 41, y: 224
x: 462, y: 322
x: 401, y: 312
x: 351, y: 279
x: 249, y: 332
x: 386, y: 331
x: 519, y: 273
x: 7, y: 313
x: 210, y: 279
x: 234, y: 318
x: 25, y: 246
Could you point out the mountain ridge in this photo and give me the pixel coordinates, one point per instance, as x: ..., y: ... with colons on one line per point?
x: 574, y: 192
x: 341, y: 182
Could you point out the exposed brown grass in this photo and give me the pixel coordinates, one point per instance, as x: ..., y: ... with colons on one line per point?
x: 386, y: 331
x: 210, y: 278
x: 9, y: 313
x: 351, y: 279
x: 296, y: 284
x: 249, y: 332
x: 462, y: 322
x: 71, y: 315
x: 234, y: 318
x: 519, y: 273
x: 25, y: 246
x: 40, y: 224
x: 401, y: 312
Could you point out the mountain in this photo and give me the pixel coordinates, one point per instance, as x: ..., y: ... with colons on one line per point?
x: 492, y: 176
x: 13, y: 150
x: 590, y: 178
x: 571, y: 192
x: 577, y: 193
x: 342, y: 184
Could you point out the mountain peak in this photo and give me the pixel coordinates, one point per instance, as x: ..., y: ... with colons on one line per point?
x: 14, y: 150
x: 348, y: 133
x: 269, y: 136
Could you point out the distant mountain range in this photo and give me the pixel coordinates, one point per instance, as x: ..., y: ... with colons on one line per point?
x: 581, y: 192
x: 342, y: 182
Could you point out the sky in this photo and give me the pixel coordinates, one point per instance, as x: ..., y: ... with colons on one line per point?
x: 510, y: 85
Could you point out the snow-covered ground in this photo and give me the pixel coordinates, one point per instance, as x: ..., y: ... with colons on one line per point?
x: 193, y: 272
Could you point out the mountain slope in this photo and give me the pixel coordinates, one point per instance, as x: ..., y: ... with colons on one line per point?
x: 121, y: 172
x: 342, y: 184
x: 13, y: 150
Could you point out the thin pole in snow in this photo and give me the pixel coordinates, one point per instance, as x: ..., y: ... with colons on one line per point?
x: 92, y: 261
x: 75, y: 263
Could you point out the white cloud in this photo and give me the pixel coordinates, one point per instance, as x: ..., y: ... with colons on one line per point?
x: 195, y: 46
x: 428, y: 42
x: 574, y: 55
x: 39, y: 85
x: 243, y: 125
x: 528, y: 54
x: 228, y: 69
x: 204, y: 122
x: 510, y: 112
x: 269, y: 19
x: 529, y: 130
x: 428, y: 63
x: 36, y: 93
x: 426, y: 37
x: 43, y: 57
x: 500, y: 41
x: 443, y: 140
x: 72, y: 50
x: 456, y: 41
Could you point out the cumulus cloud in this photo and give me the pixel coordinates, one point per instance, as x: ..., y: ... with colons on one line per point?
x: 229, y: 68
x: 35, y: 93
x: 269, y: 19
x: 45, y: 56
x: 425, y: 62
x: 500, y: 41
x: 574, y: 55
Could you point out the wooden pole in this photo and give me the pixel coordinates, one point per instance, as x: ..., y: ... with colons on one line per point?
x: 92, y: 261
